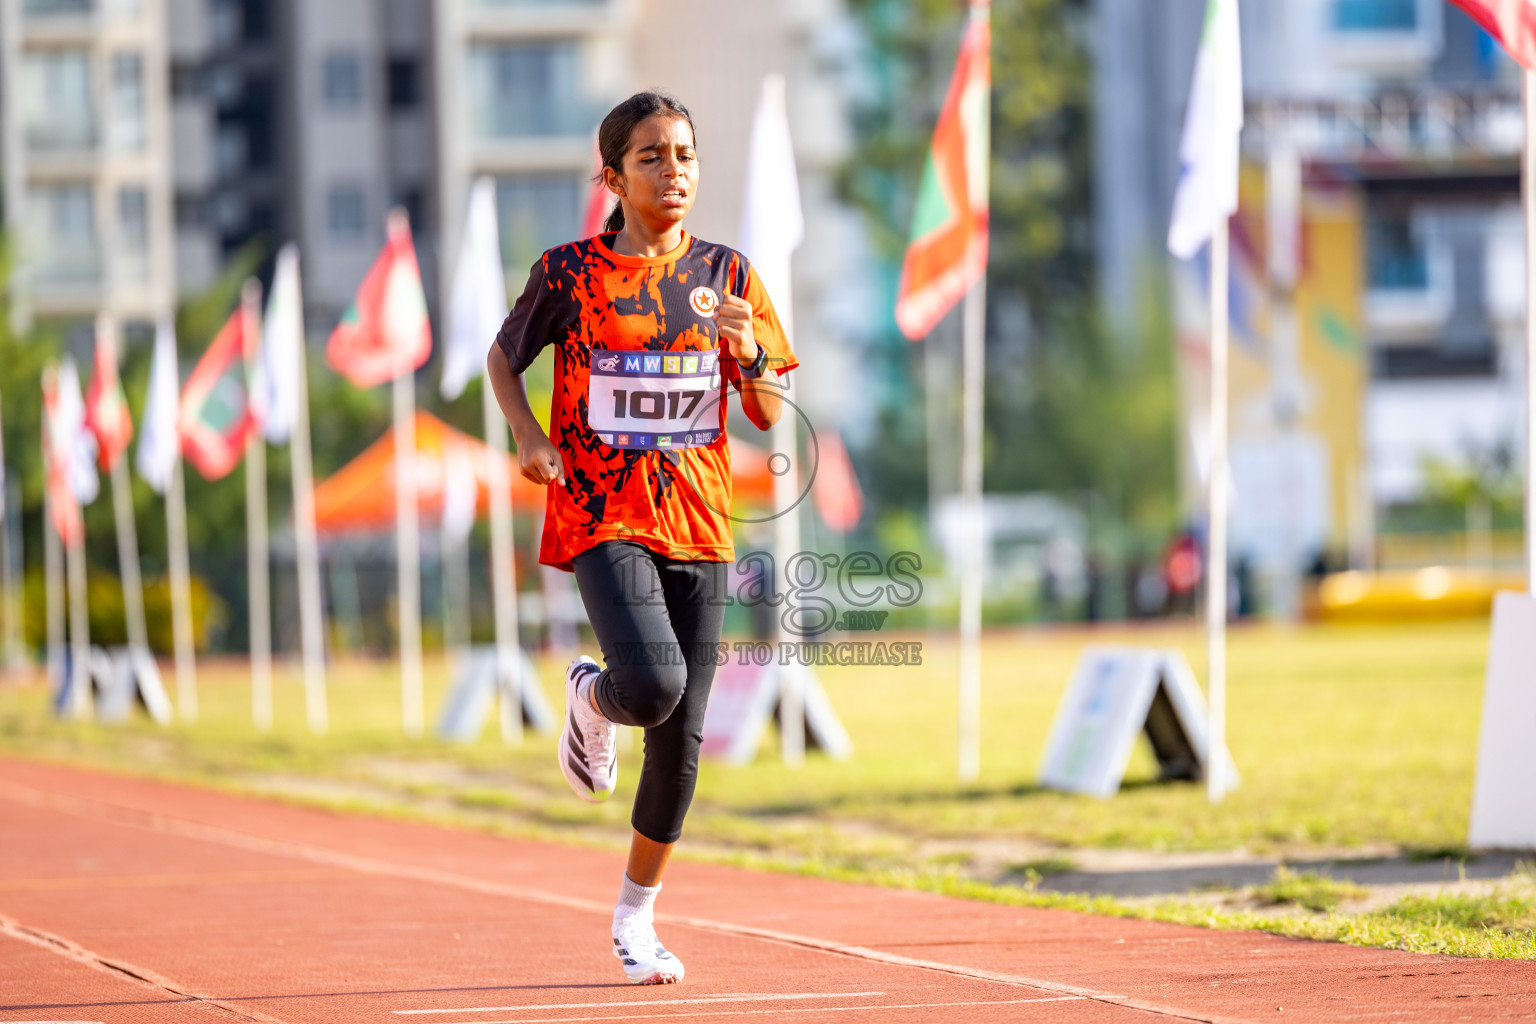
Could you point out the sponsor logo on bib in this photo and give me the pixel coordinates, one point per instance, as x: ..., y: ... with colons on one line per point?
x: 704, y: 301
x: 608, y: 363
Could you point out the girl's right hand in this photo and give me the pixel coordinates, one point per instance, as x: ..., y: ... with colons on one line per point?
x: 540, y: 461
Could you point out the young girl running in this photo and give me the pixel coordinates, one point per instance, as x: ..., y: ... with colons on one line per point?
x: 649, y: 325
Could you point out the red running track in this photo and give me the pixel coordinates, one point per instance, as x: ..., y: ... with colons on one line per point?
x: 126, y: 900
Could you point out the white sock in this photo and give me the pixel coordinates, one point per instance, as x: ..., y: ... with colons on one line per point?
x: 584, y: 694
x: 635, y: 899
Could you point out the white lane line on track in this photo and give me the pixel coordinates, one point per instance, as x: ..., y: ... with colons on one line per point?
x: 132, y: 817
x: 745, y: 997
x: 788, y: 1009
x: 123, y: 971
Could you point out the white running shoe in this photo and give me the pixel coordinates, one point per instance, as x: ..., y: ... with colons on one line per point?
x: 588, y: 750
x: 645, y: 960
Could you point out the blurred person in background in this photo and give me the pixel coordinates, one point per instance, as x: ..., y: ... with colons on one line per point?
x: 649, y: 326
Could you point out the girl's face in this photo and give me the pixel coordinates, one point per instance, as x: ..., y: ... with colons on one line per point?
x: 661, y: 171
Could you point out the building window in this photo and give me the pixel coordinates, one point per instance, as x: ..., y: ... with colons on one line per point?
x: 126, y: 126
x: 256, y: 15
x: 344, y: 212
x: 527, y: 89
x: 230, y: 149
x: 1376, y: 15
x: 133, y: 233
x: 343, y: 81
x: 191, y: 211
x: 404, y: 84
x: 62, y: 233
x: 56, y: 85
x: 537, y: 212
x: 188, y: 82
x: 46, y: 7
x: 413, y: 201
x: 1396, y: 257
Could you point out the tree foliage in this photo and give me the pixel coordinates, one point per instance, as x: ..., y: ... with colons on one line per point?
x: 1071, y: 408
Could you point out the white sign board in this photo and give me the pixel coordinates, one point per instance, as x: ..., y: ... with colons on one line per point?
x: 744, y: 698
x: 119, y: 679
x: 130, y: 674
x: 1504, y: 798
x: 1115, y: 694
x: 474, y: 692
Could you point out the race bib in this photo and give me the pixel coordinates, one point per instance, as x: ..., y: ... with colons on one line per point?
x: 654, y: 399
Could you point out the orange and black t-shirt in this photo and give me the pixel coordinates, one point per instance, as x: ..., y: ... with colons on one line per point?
x: 583, y: 298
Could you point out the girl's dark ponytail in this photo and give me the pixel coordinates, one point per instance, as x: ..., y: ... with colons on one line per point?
x: 613, y: 136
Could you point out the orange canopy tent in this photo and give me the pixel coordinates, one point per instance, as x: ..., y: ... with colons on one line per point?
x: 360, y: 497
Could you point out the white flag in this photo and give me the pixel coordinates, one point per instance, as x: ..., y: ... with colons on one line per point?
x: 772, y: 224
x: 1208, y: 152
x: 82, y: 464
x: 282, y: 346
x: 158, y: 437
x: 461, y: 493
x: 479, y: 302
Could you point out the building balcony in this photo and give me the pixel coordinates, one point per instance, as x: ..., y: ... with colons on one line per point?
x: 1430, y: 124
x: 511, y: 19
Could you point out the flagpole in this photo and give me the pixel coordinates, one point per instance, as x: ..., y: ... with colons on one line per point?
x: 786, y: 533
x: 10, y: 517
x: 1529, y: 174
x: 973, y: 371
x: 123, y: 517
x: 408, y: 547
x: 258, y: 563
x: 307, y: 544
x: 181, y: 592
x: 509, y: 663
x: 1216, y: 570
x: 53, y: 580
x: 79, y: 629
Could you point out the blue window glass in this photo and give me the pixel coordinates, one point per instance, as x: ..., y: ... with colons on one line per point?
x: 1376, y: 15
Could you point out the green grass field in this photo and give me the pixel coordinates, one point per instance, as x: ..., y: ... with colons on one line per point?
x: 1360, y: 738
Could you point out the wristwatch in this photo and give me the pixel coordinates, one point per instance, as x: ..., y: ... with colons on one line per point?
x: 758, y: 365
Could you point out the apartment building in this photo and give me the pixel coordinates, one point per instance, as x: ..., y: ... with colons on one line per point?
x: 85, y: 148
x: 1403, y: 120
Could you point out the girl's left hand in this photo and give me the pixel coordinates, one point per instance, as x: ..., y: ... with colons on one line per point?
x: 734, y: 317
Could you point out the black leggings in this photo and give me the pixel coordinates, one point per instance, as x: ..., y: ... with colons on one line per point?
x: 658, y: 622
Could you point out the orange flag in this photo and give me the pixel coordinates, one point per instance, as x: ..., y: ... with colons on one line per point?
x: 385, y: 332
x: 948, y: 251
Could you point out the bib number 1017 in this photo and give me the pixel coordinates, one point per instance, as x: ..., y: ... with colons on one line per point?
x: 654, y: 405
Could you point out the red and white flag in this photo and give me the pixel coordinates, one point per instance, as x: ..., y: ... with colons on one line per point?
x: 835, y: 490
x: 1511, y: 22
x: 61, y: 429
x: 106, y: 410
x: 385, y: 332
x: 217, y: 416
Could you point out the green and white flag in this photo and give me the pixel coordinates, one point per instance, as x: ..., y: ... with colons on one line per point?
x: 1208, y: 152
